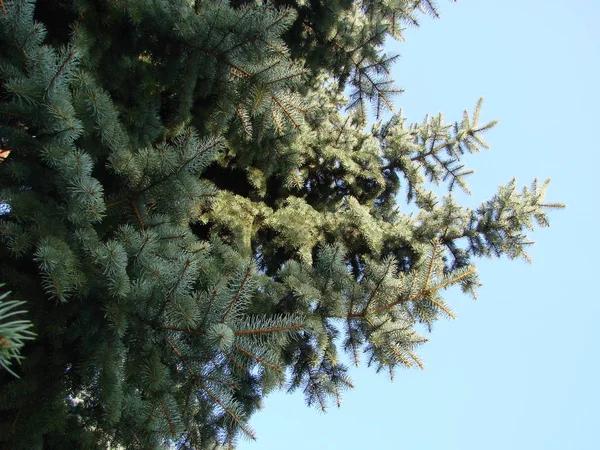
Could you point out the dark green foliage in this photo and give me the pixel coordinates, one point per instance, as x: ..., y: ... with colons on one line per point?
x: 196, y: 215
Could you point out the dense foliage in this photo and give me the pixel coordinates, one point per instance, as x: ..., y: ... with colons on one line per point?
x: 196, y: 213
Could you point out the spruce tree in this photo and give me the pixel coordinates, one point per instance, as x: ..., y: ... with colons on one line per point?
x: 196, y: 214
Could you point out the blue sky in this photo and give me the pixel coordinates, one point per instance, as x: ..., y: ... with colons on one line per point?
x: 519, y: 367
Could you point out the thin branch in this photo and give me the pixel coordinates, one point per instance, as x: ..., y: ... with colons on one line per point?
x: 230, y: 29
x: 314, y: 387
x: 118, y: 202
x: 433, y: 151
x: 458, y: 277
x: 234, y: 416
x: 285, y: 111
x: 299, y: 74
x: 60, y: 69
x: 220, y: 58
x: 431, y: 263
x: 272, y: 47
x: 181, y: 357
x: 237, y: 294
x: 443, y: 308
x: 378, y: 285
x: 424, y: 292
x: 269, y: 330
x: 188, y: 263
x: 137, y: 213
x: 183, y: 330
x: 185, y: 163
x: 168, y: 417
x: 257, y: 358
x: 399, y: 355
x: 216, y: 380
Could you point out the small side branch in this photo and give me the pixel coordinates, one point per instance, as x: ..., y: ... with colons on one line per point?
x: 60, y: 69
x: 425, y: 291
x: 268, y: 330
x: 237, y: 419
x: 378, y: 285
x: 137, y: 213
x: 237, y: 294
x: 168, y: 417
x: 257, y: 358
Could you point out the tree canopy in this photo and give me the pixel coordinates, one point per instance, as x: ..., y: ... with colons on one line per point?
x: 196, y: 213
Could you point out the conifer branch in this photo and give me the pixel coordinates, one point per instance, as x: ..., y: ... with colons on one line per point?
x: 146, y: 241
x: 416, y: 359
x: 198, y: 154
x: 443, y: 307
x: 377, y: 286
x: 230, y: 29
x: 552, y: 205
x: 13, y: 333
x: 275, y: 49
x: 60, y: 70
x: 12, y: 114
x: 220, y: 58
x: 243, y: 121
x: 211, y: 302
x: 137, y: 213
x: 234, y: 361
x: 425, y: 291
x: 236, y: 418
x: 431, y: 152
x: 168, y: 417
x: 450, y: 281
x: 363, y: 72
x: 183, y: 330
x: 219, y: 381
x: 431, y: 263
x: 269, y: 330
x: 266, y: 69
x: 169, y: 298
x: 55, y: 285
x: 358, y: 315
x: 288, y: 77
x: 118, y: 202
x: 286, y: 112
x: 313, y: 386
x: 257, y: 34
x: 330, y: 268
x: 257, y: 358
x: 181, y: 357
x: 297, y: 108
x: 342, y: 129
x: 20, y: 46
x: 399, y: 355
x: 237, y: 294
x: 188, y: 395
x: 155, y: 273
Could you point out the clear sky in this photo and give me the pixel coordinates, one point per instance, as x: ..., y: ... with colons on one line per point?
x: 519, y: 367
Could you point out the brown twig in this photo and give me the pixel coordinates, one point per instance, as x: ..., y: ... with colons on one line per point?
x: 137, y: 213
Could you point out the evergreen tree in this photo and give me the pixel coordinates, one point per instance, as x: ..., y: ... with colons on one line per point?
x: 196, y: 214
